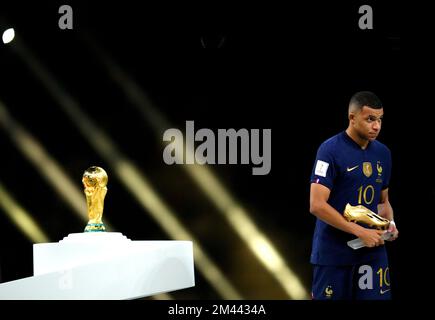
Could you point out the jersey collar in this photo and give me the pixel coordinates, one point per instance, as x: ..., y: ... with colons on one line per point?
x: 352, y: 142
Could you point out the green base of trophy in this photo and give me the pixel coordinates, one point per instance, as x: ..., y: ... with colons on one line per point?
x: 95, y: 227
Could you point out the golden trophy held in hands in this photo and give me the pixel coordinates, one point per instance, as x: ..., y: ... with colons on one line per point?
x: 362, y: 215
x: 95, y: 183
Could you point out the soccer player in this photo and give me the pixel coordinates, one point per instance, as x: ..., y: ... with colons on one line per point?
x: 351, y: 167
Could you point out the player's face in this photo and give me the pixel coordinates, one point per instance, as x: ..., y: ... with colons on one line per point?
x: 367, y: 123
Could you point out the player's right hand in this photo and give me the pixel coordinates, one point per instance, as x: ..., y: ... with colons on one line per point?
x: 371, y: 237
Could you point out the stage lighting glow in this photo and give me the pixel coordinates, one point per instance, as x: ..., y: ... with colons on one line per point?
x: 8, y: 35
x: 21, y: 218
x: 228, y: 206
x: 129, y: 174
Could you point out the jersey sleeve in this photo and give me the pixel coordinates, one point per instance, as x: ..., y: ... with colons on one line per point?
x: 324, y: 170
x: 386, y: 180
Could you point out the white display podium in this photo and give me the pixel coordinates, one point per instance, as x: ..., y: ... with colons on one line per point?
x: 104, y: 265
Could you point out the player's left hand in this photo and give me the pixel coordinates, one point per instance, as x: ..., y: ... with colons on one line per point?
x: 393, y: 230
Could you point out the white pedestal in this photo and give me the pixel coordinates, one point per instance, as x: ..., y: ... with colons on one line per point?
x: 104, y: 265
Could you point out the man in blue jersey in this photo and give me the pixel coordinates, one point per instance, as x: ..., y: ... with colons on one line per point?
x: 351, y: 167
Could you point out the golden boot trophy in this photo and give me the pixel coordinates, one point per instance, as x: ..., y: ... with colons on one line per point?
x: 362, y: 215
x: 95, y: 183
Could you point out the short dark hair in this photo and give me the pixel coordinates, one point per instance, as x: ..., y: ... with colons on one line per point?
x: 364, y: 98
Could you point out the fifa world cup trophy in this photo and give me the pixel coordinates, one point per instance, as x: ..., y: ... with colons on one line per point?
x: 95, y: 184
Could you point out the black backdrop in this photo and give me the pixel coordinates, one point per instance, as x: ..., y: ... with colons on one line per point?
x: 288, y: 68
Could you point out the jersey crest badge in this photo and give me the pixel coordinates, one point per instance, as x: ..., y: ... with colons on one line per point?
x: 328, y: 292
x: 379, y: 168
x: 367, y: 169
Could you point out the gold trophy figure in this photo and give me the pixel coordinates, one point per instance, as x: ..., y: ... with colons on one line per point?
x: 95, y: 182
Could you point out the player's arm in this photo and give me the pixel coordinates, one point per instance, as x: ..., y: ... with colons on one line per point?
x: 386, y: 210
x: 320, y: 207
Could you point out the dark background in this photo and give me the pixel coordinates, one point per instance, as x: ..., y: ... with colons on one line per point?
x: 289, y: 68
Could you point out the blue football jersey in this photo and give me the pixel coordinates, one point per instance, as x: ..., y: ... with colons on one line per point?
x: 356, y: 176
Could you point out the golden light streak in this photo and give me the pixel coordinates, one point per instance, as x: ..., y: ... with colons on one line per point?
x: 127, y: 173
x: 49, y: 168
x: 210, y: 185
x: 21, y: 218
